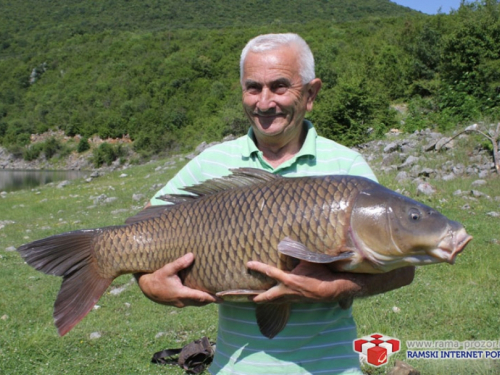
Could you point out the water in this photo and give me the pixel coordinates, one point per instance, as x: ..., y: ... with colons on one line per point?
x: 14, y: 179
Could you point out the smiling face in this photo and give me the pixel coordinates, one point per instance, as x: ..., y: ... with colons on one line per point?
x: 274, y: 97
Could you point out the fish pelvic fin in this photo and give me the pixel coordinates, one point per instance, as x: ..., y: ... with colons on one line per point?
x: 69, y: 255
x: 298, y: 250
x: 272, y: 318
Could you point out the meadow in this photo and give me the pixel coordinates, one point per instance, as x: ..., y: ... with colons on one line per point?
x: 444, y: 302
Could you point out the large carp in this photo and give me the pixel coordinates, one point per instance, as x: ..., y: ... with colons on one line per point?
x: 350, y: 223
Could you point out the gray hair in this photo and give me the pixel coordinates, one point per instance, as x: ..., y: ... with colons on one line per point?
x: 269, y: 42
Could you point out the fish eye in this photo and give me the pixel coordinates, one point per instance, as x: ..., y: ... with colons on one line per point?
x: 414, y: 214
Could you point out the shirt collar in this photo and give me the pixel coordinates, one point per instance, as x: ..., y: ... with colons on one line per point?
x: 308, y: 148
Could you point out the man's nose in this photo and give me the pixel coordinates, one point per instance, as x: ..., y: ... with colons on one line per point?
x: 266, y: 100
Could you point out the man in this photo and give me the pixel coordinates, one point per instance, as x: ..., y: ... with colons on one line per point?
x: 279, y: 87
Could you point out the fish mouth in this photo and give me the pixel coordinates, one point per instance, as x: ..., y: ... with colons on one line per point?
x: 452, y: 245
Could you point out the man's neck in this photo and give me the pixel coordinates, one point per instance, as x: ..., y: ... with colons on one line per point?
x: 276, y: 152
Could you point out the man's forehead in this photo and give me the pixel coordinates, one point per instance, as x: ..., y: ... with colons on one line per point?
x: 271, y: 65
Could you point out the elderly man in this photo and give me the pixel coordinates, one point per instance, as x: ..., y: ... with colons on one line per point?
x: 279, y: 87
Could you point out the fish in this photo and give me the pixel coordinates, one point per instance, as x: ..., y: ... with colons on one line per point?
x: 349, y: 223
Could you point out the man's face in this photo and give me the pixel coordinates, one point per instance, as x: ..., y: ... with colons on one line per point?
x: 274, y: 98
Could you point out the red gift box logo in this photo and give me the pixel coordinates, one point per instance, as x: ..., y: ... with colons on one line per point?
x: 376, y: 348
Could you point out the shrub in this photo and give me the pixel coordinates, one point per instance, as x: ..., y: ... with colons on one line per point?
x: 106, y: 153
x: 50, y: 147
x: 83, y: 145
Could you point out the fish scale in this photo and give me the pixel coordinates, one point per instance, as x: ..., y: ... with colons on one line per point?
x: 349, y: 223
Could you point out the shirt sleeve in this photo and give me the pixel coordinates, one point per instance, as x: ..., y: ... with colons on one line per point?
x: 360, y: 167
x: 189, y: 175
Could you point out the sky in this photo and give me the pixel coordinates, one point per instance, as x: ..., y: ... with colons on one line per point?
x: 430, y: 6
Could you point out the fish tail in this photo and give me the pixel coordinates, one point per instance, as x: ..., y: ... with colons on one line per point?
x: 69, y: 255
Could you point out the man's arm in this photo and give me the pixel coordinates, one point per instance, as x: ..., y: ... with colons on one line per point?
x: 316, y: 282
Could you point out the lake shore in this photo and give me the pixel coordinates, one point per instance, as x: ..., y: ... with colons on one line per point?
x: 73, y: 161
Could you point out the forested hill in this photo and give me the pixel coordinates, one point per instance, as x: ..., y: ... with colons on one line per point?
x: 168, y: 76
x: 23, y: 21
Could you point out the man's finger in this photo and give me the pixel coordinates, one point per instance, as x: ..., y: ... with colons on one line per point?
x: 272, y: 272
x: 179, y: 264
x: 277, y: 294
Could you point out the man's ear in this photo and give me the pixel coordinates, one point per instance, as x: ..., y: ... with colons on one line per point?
x: 313, y: 88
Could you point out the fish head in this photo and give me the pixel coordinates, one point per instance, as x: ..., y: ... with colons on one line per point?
x: 392, y: 231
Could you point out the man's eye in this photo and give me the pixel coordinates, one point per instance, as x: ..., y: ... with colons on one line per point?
x: 253, y: 90
x: 280, y: 89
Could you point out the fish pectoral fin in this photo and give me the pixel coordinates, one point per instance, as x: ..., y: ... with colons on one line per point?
x: 298, y: 250
x: 272, y: 318
x: 238, y: 295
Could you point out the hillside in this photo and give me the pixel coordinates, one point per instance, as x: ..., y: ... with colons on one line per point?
x: 26, y: 23
x: 110, y: 69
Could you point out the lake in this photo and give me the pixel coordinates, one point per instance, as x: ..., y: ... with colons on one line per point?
x: 15, y: 179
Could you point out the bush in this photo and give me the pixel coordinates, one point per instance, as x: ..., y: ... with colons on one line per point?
x: 106, y: 153
x: 83, y: 145
x: 32, y: 152
x: 50, y: 147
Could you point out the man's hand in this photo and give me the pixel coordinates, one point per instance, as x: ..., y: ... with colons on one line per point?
x: 312, y: 282
x: 165, y: 287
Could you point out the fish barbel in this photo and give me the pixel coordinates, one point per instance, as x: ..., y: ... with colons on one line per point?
x: 349, y: 223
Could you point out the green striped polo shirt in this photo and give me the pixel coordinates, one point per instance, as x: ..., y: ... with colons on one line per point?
x: 318, y: 337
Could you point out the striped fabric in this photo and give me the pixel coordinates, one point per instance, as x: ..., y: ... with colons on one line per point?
x: 318, y: 337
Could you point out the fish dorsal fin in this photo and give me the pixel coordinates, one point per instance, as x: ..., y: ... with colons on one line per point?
x: 148, y: 213
x: 240, y: 177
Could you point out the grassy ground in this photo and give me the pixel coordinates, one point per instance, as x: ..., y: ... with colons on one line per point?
x: 457, y: 302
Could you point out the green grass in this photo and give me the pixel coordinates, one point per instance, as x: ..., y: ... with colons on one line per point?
x: 29, y: 343
x: 459, y: 302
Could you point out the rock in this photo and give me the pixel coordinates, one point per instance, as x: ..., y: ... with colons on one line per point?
x: 391, y: 147
x: 449, y: 177
x: 123, y: 175
x: 137, y: 197
x: 95, y: 335
x: 402, y: 368
x: 10, y: 248
x: 392, y: 158
x: 483, y: 174
x: 3, y: 223
x: 430, y: 146
x: 458, y: 169
x: 466, y: 206
x: 471, y: 170
x: 110, y: 200
x: 427, y: 172
x: 63, y: 184
x: 444, y: 143
x: 156, y: 187
x: 100, y: 199
x: 402, y: 176
x: 410, y: 161
x: 478, y: 183
x: 493, y: 214
x: 396, y: 309
x: 425, y: 188
x: 94, y: 174
x: 457, y: 192
x: 477, y: 193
